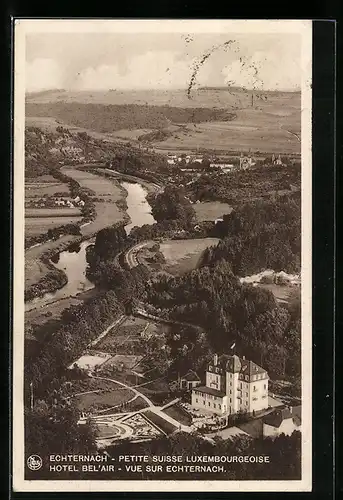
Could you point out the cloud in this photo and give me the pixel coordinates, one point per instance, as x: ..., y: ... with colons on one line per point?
x: 265, y: 70
x: 43, y: 74
x: 154, y: 69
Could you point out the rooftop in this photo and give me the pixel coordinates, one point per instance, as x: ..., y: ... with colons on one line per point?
x: 238, y: 365
x: 276, y: 418
x: 209, y: 390
x: 191, y: 376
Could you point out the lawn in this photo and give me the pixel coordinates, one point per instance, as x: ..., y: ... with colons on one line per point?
x: 104, y: 394
x: 184, y: 255
x: 211, y: 210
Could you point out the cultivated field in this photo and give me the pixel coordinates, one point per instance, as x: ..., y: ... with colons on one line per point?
x: 210, y: 211
x: 128, y: 338
x: 46, y: 213
x: 108, y: 213
x: 217, y: 98
x: 184, y: 255
x: 124, y: 339
x: 40, y: 220
x: 39, y: 225
x: 42, y: 187
x: 253, y: 130
x: 270, y: 123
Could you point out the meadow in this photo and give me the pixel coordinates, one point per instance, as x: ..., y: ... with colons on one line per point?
x: 211, y: 210
x: 184, y: 255
x: 37, y: 224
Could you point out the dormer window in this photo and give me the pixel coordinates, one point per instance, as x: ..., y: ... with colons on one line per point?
x: 210, y: 368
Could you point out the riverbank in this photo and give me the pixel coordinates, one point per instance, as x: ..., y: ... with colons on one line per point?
x: 110, y: 207
x: 53, y: 302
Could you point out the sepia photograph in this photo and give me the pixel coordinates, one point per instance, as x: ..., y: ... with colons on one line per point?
x: 162, y: 255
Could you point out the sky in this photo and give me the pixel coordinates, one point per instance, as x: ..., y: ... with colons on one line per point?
x: 123, y: 61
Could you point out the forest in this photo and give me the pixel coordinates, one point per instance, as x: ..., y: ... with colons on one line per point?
x: 242, y: 186
x: 70, y: 335
x: 259, y: 235
x: 108, y: 118
x: 214, y: 299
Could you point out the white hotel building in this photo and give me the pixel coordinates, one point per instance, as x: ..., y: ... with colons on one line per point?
x: 233, y: 384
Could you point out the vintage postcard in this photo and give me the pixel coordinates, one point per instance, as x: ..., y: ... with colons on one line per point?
x: 162, y: 255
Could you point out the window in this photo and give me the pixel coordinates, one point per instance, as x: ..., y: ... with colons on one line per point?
x: 204, y: 402
x: 230, y: 391
x: 231, y: 384
x: 196, y: 400
x: 230, y: 400
x: 254, y: 387
x: 246, y: 377
x: 246, y: 403
x: 265, y: 386
x: 224, y: 407
x: 209, y: 403
x: 246, y: 394
x: 219, y: 406
x: 214, y: 405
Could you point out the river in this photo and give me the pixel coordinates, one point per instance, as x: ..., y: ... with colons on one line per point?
x: 73, y: 261
x: 138, y: 208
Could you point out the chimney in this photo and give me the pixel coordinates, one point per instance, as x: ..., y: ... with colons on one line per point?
x: 290, y: 410
x: 243, y: 358
x: 215, y: 359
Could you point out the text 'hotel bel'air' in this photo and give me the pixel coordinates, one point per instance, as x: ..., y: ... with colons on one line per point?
x: 233, y: 385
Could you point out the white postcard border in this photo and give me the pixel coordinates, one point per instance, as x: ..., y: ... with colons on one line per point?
x: 21, y: 28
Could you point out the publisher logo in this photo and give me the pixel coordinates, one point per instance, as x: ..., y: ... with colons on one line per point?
x: 34, y: 462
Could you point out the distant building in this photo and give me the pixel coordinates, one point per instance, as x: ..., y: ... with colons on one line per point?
x: 190, y: 380
x: 233, y: 385
x: 246, y: 162
x: 225, y: 167
x: 282, y: 421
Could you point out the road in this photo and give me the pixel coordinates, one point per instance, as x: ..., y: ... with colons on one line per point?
x: 151, y: 186
x: 131, y: 254
x: 105, y: 332
x: 156, y: 409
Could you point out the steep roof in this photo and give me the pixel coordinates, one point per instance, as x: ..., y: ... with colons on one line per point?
x: 276, y: 418
x: 191, y: 376
x: 236, y: 364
